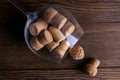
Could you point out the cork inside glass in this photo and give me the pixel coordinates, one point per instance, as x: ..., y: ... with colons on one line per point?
x: 72, y: 39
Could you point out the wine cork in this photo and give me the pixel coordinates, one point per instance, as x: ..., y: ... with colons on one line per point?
x: 91, y: 66
x: 35, y: 44
x: 77, y: 52
x: 51, y: 46
x: 68, y: 28
x: 58, y: 20
x: 37, y: 27
x: 95, y: 62
x: 45, y: 37
x: 49, y: 14
x: 90, y: 69
x: 61, y: 49
x: 56, y: 33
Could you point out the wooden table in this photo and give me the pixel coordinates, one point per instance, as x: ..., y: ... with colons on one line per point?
x: 100, y: 20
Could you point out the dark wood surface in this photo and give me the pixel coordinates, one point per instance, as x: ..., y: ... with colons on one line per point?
x: 100, y: 20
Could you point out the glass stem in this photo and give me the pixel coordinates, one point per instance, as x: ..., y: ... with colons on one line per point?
x: 18, y: 6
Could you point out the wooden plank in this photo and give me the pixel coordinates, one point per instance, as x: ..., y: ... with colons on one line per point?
x: 103, y: 74
x: 100, y: 27
x: 100, y: 21
x: 100, y: 40
x: 72, y: 4
x: 84, y: 11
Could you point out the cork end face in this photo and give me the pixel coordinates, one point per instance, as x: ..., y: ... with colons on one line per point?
x: 35, y: 44
x: 42, y: 25
x: 33, y: 30
x: 77, y: 52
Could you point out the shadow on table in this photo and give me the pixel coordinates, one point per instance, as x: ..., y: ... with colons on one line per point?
x: 16, y: 26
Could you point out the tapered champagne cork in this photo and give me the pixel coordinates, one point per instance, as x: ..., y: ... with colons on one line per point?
x: 51, y: 46
x: 58, y: 20
x: 58, y: 36
x: 68, y: 28
x: 61, y: 49
x: 49, y: 14
x: 36, y: 27
x: 91, y: 66
x: 95, y: 62
x: 90, y: 69
x: 35, y: 44
x: 45, y: 37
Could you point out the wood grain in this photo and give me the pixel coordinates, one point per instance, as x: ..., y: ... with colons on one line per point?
x: 100, y: 19
x: 60, y: 74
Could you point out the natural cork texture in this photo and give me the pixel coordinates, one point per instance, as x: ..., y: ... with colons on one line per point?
x: 61, y: 49
x: 49, y: 14
x: 37, y: 27
x: 51, y: 46
x: 45, y: 37
x: 35, y: 44
x: 68, y: 28
x: 58, y: 20
x: 91, y: 66
x: 58, y: 36
x: 77, y: 52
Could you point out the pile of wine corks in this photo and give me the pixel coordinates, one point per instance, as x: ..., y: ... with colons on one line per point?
x: 50, y: 32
